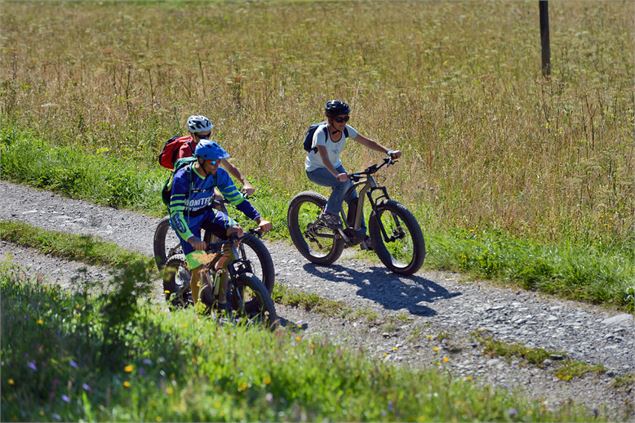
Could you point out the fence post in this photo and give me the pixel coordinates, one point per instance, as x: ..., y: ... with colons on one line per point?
x: 544, y: 37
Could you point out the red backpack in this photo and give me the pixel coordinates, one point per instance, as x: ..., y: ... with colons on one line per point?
x: 171, y: 148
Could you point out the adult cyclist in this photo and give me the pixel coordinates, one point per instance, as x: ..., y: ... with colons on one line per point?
x: 191, y: 207
x: 200, y: 128
x: 323, y: 164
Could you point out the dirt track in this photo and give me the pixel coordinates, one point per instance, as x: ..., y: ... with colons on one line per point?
x: 412, y: 310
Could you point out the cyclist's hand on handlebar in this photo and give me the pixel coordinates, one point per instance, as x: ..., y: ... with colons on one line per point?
x: 248, y: 189
x: 264, y: 226
x: 341, y: 177
x: 197, y: 244
x: 394, y: 154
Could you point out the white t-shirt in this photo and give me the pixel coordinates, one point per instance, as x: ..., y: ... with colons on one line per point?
x: 314, y: 161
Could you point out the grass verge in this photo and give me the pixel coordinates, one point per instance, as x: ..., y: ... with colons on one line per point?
x: 598, y: 275
x: 566, y: 370
x: 84, y: 248
x: 190, y: 368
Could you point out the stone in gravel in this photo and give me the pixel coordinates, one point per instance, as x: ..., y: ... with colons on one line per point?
x: 618, y: 319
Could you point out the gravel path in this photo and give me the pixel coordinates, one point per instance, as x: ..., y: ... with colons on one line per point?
x: 412, y: 311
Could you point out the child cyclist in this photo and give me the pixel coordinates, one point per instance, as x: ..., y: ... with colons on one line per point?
x: 324, y: 166
x: 200, y: 128
x: 191, y: 208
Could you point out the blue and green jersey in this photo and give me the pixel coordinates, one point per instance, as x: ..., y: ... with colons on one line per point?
x: 192, y: 194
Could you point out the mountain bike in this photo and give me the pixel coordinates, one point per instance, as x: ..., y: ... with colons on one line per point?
x: 395, y: 234
x: 246, y: 296
x: 166, y: 244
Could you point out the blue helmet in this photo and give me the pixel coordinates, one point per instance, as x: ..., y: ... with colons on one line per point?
x: 210, y: 150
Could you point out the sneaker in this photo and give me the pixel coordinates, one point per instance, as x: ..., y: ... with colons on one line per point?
x: 330, y: 220
x: 366, y: 244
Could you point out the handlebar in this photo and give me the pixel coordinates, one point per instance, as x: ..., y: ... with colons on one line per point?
x: 388, y: 161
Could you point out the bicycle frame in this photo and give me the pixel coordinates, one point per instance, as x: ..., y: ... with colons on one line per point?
x: 367, y: 187
x: 237, y: 264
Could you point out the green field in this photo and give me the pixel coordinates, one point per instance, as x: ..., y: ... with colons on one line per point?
x: 457, y: 86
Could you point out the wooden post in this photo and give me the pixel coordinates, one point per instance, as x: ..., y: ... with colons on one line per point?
x: 544, y: 37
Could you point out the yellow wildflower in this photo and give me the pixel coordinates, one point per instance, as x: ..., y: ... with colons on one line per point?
x: 266, y: 380
x: 126, y: 384
x: 129, y: 368
x: 169, y: 390
x: 11, y: 382
x: 435, y: 349
x: 445, y: 359
x: 40, y: 322
x: 298, y: 338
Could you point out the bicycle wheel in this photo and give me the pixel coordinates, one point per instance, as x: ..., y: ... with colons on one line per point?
x: 403, y: 248
x: 166, y: 243
x: 317, y: 243
x: 176, y: 282
x: 250, y: 300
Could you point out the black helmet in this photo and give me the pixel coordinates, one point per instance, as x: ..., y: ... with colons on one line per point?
x: 336, y: 107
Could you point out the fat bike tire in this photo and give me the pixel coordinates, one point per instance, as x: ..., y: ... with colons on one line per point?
x: 406, y: 252
x: 319, y: 245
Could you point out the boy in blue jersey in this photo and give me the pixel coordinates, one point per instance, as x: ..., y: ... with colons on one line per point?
x: 191, y: 207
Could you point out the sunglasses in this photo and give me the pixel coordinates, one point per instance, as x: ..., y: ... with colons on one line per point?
x: 204, y: 136
x: 341, y: 119
x: 214, y: 162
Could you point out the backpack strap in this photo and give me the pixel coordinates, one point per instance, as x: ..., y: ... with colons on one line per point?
x: 326, y: 137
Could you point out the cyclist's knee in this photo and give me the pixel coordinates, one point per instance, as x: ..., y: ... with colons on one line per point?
x: 343, y: 186
x: 234, y: 230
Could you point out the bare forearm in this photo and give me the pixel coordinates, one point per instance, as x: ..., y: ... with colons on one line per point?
x: 373, y: 145
x: 233, y: 170
x: 325, y: 159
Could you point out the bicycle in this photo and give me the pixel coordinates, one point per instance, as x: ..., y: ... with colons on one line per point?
x: 166, y: 244
x: 395, y: 234
x: 246, y: 297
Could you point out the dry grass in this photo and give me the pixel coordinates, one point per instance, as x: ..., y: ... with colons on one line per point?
x: 456, y: 85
